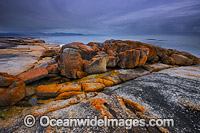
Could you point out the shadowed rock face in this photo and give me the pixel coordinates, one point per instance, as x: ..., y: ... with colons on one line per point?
x: 171, y: 93
x: 12, y: 89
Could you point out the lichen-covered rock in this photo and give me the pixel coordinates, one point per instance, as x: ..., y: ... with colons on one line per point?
x: 170, y: 93
x: 53, y: 69
x: 86, y: 51
x: 168, y: 60
x: 67, y: 95
x: 6, y: 80
x: 195, y: 60
x: 97, y: 64
x: 160, y: 51
x: 143, y: 56
x: 34, y: 74
x: 12, y: 91
x: 50, y: 53
x: 84, y: 106
x: 181, y: 60
x: 91, y: 87
x: 70, y: 62
x: 112, y: 77
x: 112, y: 62
x: 67, y: 87
x: 47, y: 91
x: 81, y: 74
x: 129, y: 58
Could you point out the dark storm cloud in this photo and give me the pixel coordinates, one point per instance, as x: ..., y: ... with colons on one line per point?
x: 101, y: 16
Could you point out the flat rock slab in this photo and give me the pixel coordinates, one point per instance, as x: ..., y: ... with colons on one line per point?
x: 171, y: 93
x: 19, y: 59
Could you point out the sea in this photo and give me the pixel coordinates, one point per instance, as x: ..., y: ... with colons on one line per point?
x: 188, y: 43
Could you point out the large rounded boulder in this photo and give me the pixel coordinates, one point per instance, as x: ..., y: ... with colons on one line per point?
x: 70, y: 62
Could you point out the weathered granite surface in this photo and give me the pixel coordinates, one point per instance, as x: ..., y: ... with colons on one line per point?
x: 82, y: 106
x: 171, y: 93
x: 18, y: 55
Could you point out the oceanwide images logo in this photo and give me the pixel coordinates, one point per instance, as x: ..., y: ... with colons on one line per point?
x: 45, y: 121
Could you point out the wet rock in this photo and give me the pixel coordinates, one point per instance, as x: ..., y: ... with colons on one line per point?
x: 97, y: 64
x: 70, y: 62
x: 181, y: 60
x: 12, y: 89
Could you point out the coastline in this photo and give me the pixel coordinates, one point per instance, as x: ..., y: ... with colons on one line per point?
x: 55, y: 75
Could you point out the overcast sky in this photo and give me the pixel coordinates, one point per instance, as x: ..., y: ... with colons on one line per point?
x: 101, y: 16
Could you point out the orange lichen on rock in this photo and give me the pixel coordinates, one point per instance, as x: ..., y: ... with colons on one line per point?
x: 143, y: 56
x: 108, y: 83
x: 152, y: 51
x: 98, y: 105
x: 47, y: 90
x: 67, y: 95
x: 69, y: 87
x: 134, y: 105
x: 57, y: 105
x: 14, y: 91
x: 70, y: 62
x: 139, y: 109
x: 129, y: 58
x: 137, y: 44
x: 33, y: 74
x: 53, y: 69
x: 115, y: 79
x: 6, y: 80
x: 90, y: 87
x: 81, y: 74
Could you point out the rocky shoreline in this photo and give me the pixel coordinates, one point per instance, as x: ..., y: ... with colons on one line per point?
x: 79, y: 80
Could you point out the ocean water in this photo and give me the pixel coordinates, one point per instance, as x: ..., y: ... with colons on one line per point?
x: 188, y: 43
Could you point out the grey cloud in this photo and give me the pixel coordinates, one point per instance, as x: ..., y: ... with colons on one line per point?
x: 105, y: 16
